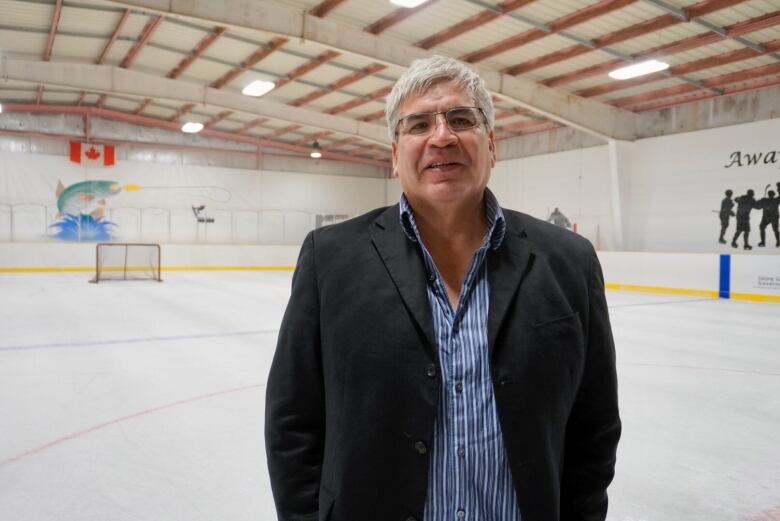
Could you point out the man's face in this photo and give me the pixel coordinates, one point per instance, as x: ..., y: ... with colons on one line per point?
x: 443, y: 166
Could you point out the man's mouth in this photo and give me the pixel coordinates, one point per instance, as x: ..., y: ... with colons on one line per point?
x: 442, y: 164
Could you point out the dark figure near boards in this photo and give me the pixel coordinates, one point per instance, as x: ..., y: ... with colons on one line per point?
x: 745, y: 203
x: 726, y: 213
x: 769, y: 205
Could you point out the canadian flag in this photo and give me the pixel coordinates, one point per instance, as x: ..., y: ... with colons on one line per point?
x: 91, y: 155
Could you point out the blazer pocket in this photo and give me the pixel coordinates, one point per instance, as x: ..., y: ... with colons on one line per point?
x: 326, y: 501
x: 555, y: 320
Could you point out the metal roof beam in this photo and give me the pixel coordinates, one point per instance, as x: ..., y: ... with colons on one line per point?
x: 172, y: 126
x: 587, y: 115
x: 55, y: 21
x: 107, y: 79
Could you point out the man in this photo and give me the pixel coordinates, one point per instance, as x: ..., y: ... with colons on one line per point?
x: 443, y: 359
x: 769, y: 216
x: 726, y: 213
x: 558, y: 219
x: 745, y: 203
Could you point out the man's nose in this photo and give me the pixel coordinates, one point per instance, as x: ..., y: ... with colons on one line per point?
x: 442, y: 134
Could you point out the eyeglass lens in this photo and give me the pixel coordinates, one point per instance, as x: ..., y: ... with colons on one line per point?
x: 459, y: 118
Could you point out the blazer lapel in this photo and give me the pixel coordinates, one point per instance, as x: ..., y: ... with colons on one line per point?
x: 404, y: 263
x: 506, y: 268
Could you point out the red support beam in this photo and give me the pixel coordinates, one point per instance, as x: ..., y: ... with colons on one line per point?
x: 338, y: 84
x: 340, y: 143
x: 311, y: 137
x: 173, y: 126
x: 142, y: 106
x: 557, y: 25
x: 217, y: 118
x: 713, y: 82
x: 373, y: 116
x: 516, y: 111
x: 182, y: 111
x: 113, y: 36
x: 39, y: 95
x: 307, y: 67
x: 141, y: 42
x: 325, y: 7
x: 282, y: 131
x: 677, y: 70
x: 195, y: 53
x: 55, y: 21
x: 250, y: 125
x: 101, y: 101
x: 543, y: 126
x: 686, y: 44
x: 470, y: 23
x: 522, y: 125
x: 371, y: 96
x: 81, y: 99
x: 249, y: 61
x: 396, y: 16
x: 640, y: 29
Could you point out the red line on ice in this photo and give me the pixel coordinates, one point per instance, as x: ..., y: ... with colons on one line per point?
x: 99, y: 426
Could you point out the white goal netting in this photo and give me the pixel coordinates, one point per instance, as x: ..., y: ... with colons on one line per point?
x: 127, y: 261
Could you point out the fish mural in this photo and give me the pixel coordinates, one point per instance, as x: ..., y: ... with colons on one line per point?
x: 81, y: 209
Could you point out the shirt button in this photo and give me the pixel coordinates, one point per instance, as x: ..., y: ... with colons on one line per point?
x: 460, y: 513
x: 459, y: 387
x: 461, y: 451
x: 432, y: 277
x: 431, y: 370
x: 420, y: 447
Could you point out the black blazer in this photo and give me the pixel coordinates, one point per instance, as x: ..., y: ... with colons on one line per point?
x: 355, y: 379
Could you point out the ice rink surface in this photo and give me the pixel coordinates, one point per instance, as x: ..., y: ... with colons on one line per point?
x: 144, y: 401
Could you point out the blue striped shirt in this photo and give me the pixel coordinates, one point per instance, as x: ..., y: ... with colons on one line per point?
x: 469, y: 478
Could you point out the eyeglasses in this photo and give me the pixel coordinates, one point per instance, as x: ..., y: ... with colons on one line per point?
x: 457, y: 119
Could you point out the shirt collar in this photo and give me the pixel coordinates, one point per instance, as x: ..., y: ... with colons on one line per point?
x: 495, y: 217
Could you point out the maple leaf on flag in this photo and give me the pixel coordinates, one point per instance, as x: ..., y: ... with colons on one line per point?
x: 92, y: 153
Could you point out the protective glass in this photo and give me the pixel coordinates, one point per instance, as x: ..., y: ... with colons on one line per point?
x: 457, y: 118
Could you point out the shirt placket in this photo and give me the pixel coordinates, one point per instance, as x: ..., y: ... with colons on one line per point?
x: 459, y: 388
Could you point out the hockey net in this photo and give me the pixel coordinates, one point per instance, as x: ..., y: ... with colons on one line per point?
x: 127, y: 261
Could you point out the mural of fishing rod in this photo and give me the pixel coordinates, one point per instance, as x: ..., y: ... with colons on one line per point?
x: 81, y: 207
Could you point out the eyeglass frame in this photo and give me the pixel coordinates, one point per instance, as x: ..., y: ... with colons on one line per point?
x: 444, y: 113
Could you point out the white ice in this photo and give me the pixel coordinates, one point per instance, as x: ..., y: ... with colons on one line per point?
x: 144, y: 401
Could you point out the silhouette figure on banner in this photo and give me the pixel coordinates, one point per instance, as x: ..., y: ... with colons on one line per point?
x: 726, y: 213
x: 745, y: 203
x: 558, y: 219
x: 769, y: 205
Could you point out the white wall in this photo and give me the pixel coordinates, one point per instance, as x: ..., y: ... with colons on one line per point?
x: 248, y: 206
x: 670, y: 188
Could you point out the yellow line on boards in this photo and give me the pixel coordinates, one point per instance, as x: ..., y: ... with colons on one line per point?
x: 662, y: 290
x: 164, y: 269
x: 756, y: 298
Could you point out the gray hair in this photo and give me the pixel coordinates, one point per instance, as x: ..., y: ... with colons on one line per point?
x: 423, y: 73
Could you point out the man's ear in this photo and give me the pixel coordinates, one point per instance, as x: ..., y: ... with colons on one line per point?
x: 394, y: 149
x: 492, y: 147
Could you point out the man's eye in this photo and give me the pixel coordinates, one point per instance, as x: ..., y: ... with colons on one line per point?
x: 461, y: 122
x: 417, y: 127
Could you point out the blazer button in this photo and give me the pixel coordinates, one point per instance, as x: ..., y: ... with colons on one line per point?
x: 431, y: 370
x: 420, y: 447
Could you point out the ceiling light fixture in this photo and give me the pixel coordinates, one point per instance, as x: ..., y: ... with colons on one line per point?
x: 638, y: 69
x: 257, y: 88
x: 315, y: 150
x: 191, y: 127
x: 408, y: 3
